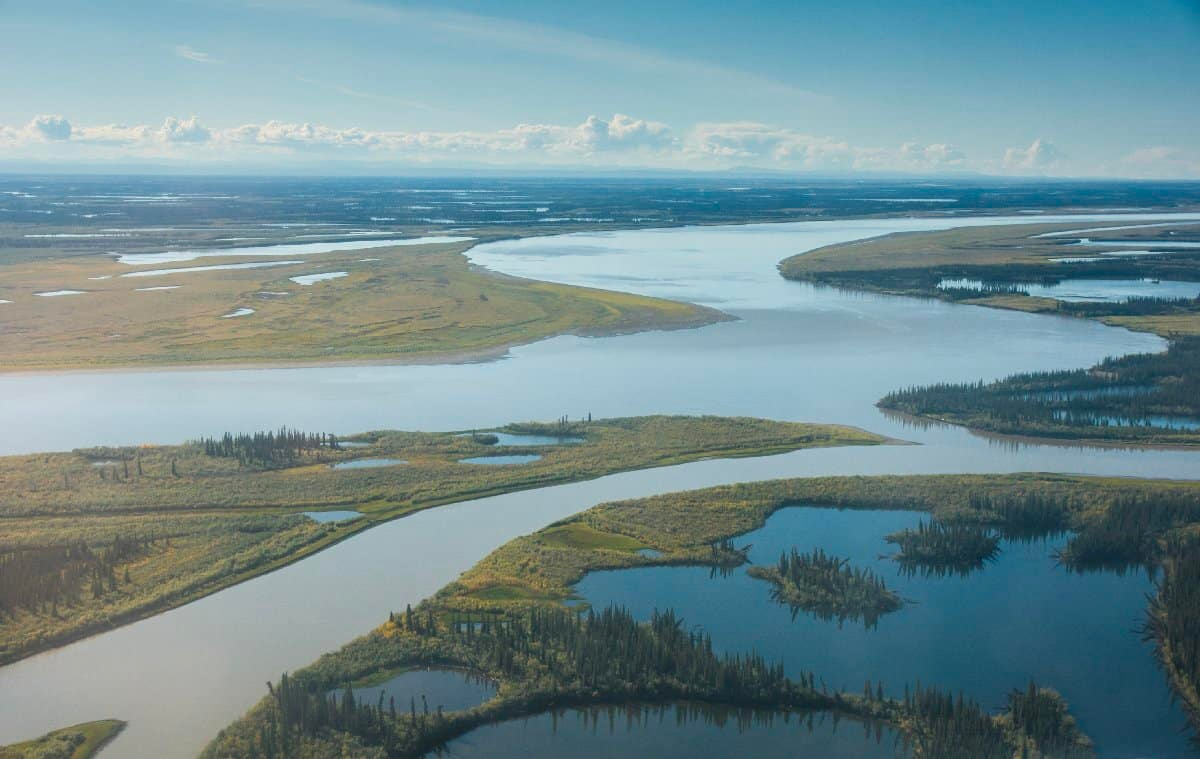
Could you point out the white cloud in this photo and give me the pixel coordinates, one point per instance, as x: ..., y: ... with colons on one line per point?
x: 173, y: 130
x: 186, y: 130
x: 616, y: 141
x: 196, y: 56
x: 1161, y: 161
x: 1039, y: 156
x: 50, y: 127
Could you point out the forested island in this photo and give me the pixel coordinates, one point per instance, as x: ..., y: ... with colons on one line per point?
x: 100, y: 537
x: 1149, y: 399
x: 514, y: 618
x: 827, y: 587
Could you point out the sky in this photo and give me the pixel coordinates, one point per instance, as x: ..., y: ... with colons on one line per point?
x: 1101, y: 88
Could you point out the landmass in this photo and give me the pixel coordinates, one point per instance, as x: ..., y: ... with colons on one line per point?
x: 416, y: 303
x: 514, y: 618
x: 99, y: 537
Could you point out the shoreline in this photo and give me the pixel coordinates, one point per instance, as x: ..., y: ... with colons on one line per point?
x: 501, y: 350
x: 369, y: 520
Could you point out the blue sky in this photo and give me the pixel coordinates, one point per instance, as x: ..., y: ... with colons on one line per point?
x: 1068, y: 88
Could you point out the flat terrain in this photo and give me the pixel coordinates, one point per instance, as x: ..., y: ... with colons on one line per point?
x: 99, y: 537
x: 915, y: 263
x: 504, y: 617
x: 421, y: 302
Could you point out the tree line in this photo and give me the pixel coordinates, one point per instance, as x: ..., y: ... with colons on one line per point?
x: 42, y: 578
x: 267, y: 449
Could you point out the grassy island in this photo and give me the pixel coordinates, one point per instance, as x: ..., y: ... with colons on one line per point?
x: 828, y: 587
x: 410, y: 303
x: 99, y: 537
x: 76, y: 742
x: 514, y: 618
x: 990, y: 265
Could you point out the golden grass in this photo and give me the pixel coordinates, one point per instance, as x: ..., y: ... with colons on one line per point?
x: 216, y: 524
x: 419, y: 301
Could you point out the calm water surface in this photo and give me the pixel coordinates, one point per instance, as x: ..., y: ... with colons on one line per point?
x: 516, y: 458
x: 796, y: 352
x: 1018, y: 618
x: 366, y: 463
x: 451, y: 689
x: 675, y: 732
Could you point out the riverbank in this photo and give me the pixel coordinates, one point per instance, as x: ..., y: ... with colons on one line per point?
x: 407, y: 304
x: 216, y: 521
x: 75, y: 742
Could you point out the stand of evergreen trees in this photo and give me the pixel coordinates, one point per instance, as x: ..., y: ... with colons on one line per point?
x: 1118, y: 398
x: 548, y: 657
x: 47, y: 577
x: 1023, y: 516
x: 1173, y: 623
x: 1129, y: 531
x: 938, y: 548
x: 269, y: 449
x: 828, y: 587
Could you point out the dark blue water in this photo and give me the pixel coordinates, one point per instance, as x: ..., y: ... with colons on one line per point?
x: 1020, y: 617
x: 451, y: 689
x: 675, y: 732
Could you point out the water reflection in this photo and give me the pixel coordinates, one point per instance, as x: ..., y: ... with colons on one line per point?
x: 1022, y: 617
x: 678, y: 731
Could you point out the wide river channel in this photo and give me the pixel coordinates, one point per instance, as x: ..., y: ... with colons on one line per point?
x: 795, y: 352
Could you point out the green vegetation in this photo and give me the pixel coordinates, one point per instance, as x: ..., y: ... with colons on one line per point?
x: 269, y: 449
x: 1173, y: 623
x: 75, y: 742
x: 514, y: 618
x: 100, y: 537
x: 410, y: 303
x: 1001, y: 258
x: 828, y: 587
x: 1147, y: 399
x: 938, y: 548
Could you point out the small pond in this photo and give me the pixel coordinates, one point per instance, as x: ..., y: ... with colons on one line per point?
x: 522, y: 458
x: 367, y: 463
x: 332, y: 516
x: 309, y: 279
x: 451, y: 689
x: 676, y: 731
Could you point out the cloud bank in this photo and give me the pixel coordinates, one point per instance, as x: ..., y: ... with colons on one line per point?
x: 618, y: 141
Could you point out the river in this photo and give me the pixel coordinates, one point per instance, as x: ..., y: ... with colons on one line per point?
x: 796, y: 352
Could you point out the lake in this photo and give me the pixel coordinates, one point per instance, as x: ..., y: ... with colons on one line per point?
x: 1020, y: 617
x: 681, y: 731
x: 796, y: 352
